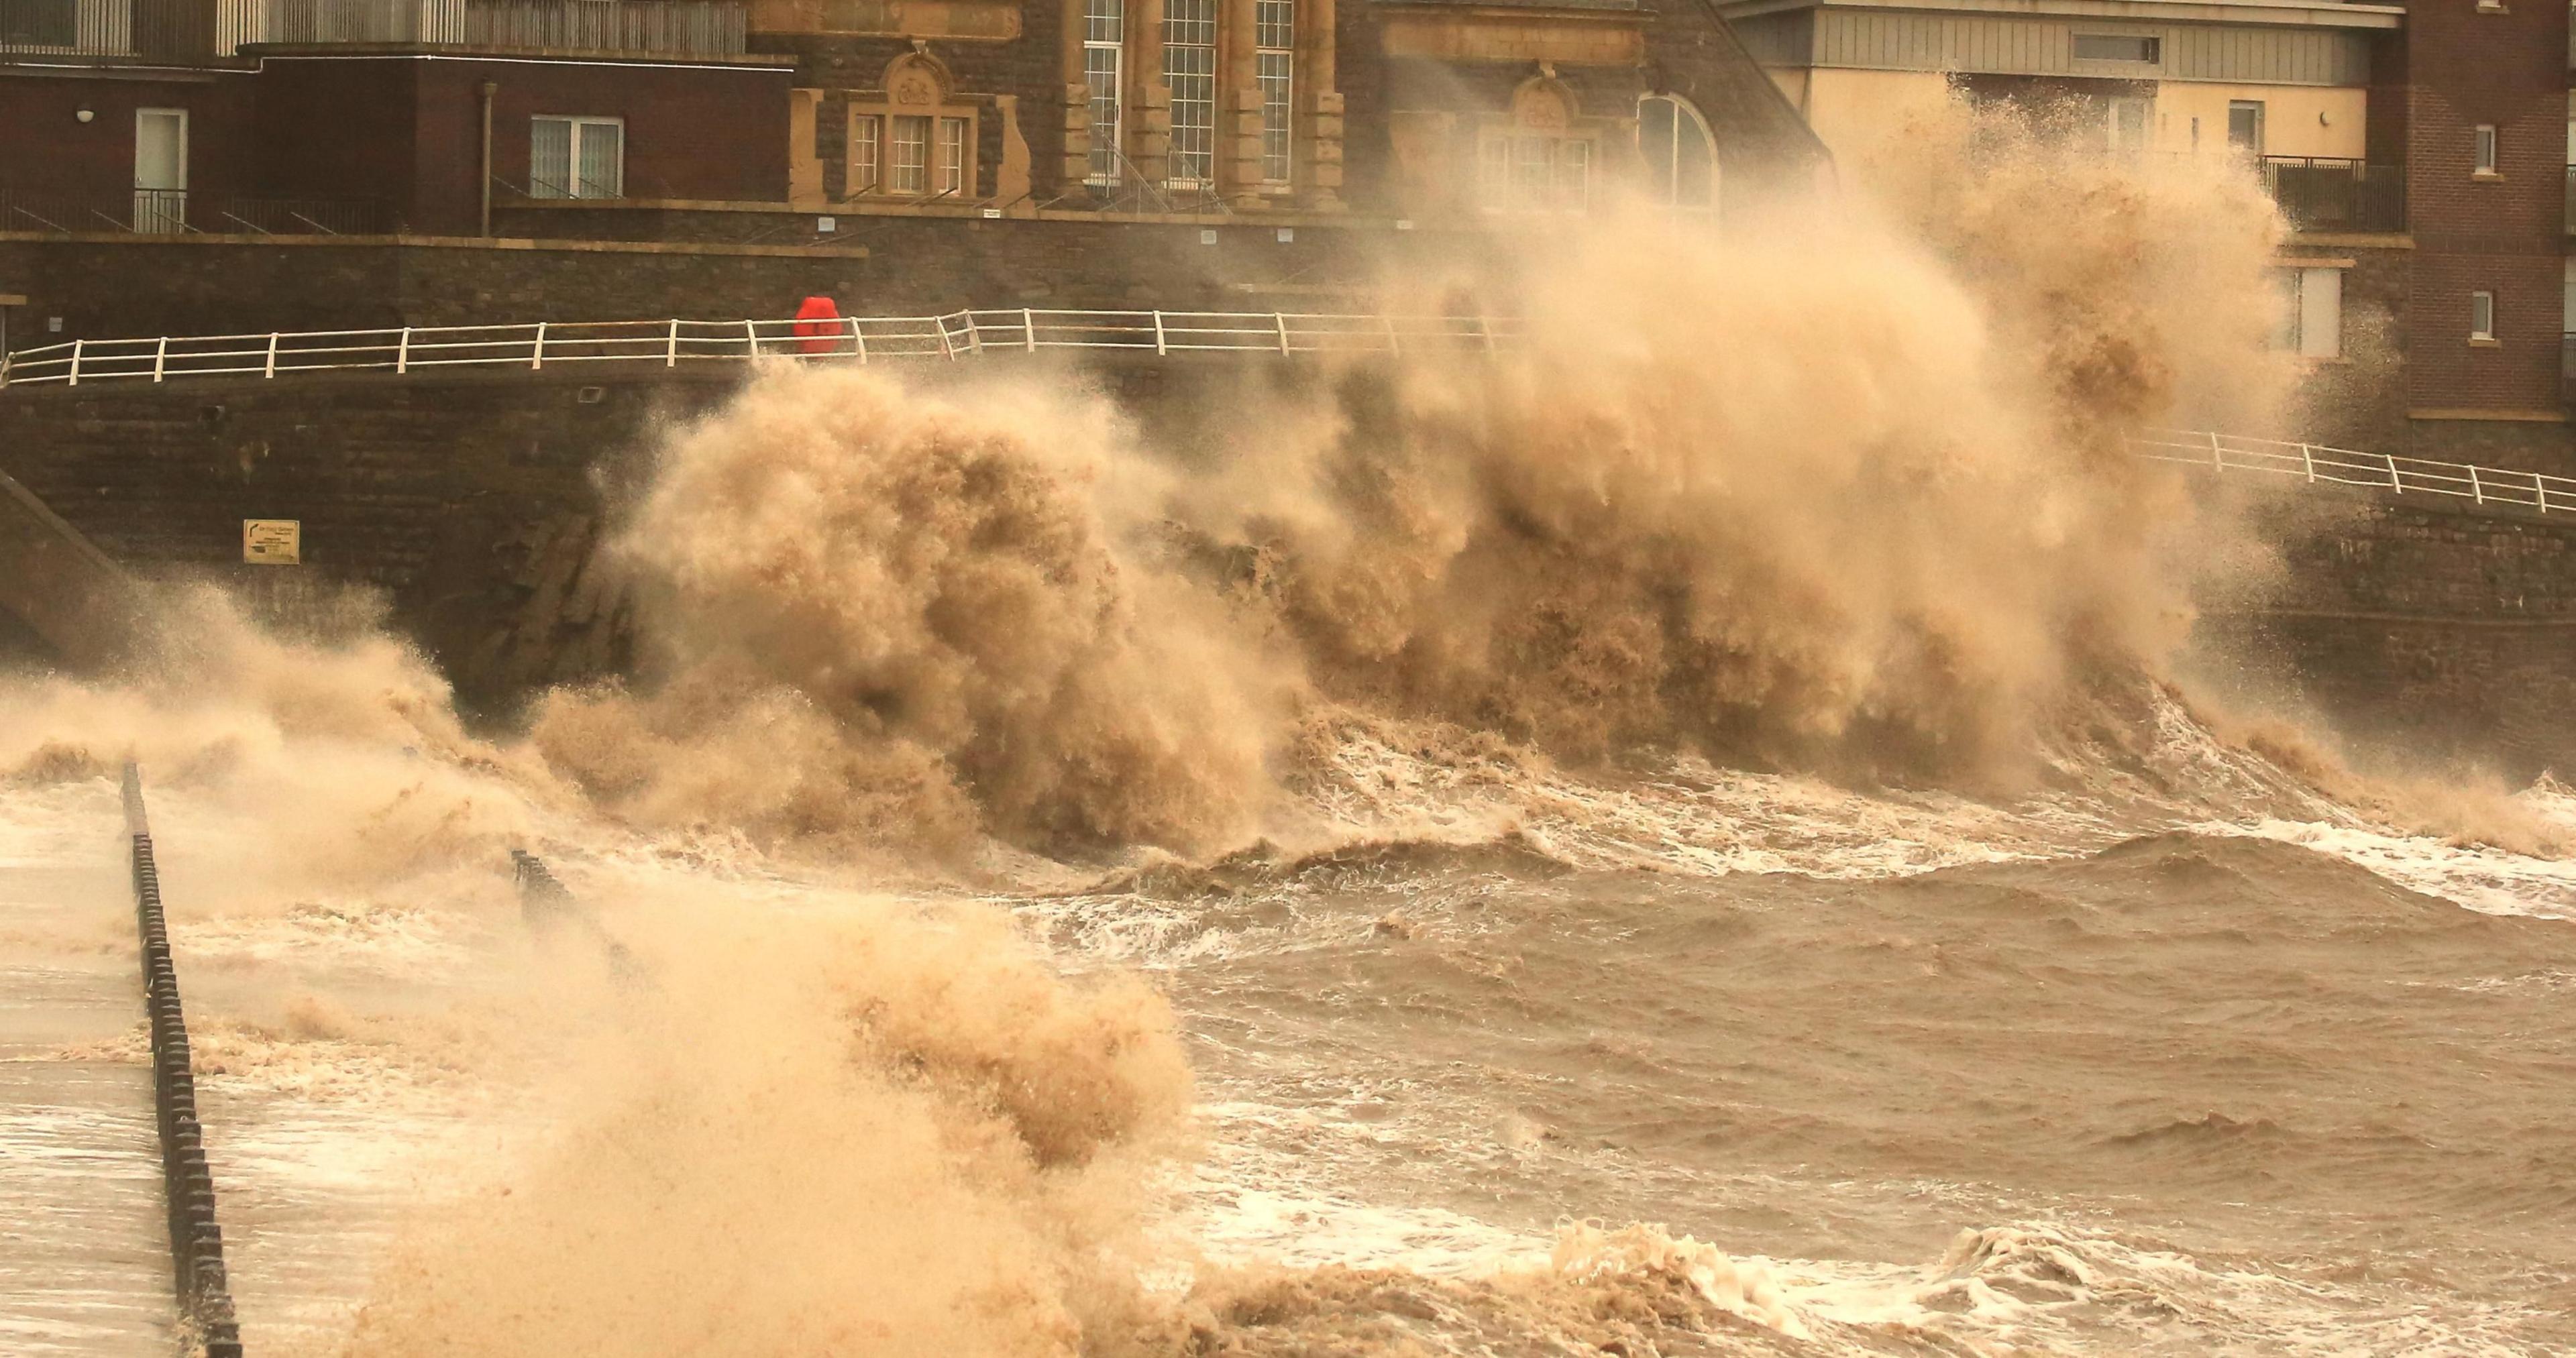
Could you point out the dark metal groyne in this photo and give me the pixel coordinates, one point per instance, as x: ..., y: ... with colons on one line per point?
x: 196, y: 1242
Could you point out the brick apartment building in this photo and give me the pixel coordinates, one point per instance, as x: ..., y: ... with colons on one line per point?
x: 2475, y: 99
x: 2415, y: 147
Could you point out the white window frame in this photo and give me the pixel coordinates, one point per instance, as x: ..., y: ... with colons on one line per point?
x: 2482, y: 318
x: 161, y: 209
x: 2261, y: 115
x: 1669, y: 197
x: 579, y: 125
x: 2483, y: 155
x: 1104, y: 71
x: 2312, y: 323
x: 1190, y: 73
x: 948, y: 155
x: 2154, y: 46
x: 1536, y: 171
x: 1274, y: 55
x: 907, y: 177
x: 867, y: 164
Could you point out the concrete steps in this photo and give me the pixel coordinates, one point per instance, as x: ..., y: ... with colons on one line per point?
x: 59, y: 586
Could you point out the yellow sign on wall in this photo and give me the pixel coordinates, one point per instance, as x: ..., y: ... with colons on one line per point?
x: 273, y: 542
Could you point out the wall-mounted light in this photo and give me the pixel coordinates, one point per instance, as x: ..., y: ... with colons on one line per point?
x: 84, y: 115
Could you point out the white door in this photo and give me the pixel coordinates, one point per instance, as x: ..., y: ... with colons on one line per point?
x: 160, y: 169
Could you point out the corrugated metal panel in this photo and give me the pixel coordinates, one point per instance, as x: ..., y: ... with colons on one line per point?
x: 2270, y: 56
x: 1879, y: 40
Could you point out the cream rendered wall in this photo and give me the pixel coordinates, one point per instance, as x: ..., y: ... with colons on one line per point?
x: 1853, y: 110
x: 2291, y: 117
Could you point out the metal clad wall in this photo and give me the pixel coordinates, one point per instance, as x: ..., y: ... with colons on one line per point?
x: 1879, y: 40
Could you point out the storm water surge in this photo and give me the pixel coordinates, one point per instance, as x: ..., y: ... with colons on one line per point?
x: 1842, y: 490
x: 1630, y: 843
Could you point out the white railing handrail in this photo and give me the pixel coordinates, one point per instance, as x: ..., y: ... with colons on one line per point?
x: 860, y: 338
x: 973, y: 333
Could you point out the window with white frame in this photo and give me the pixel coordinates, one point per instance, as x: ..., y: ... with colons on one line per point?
x: 573, y: 156
x: 2124, y: 47
x: 952, y: 158
x: 2486, y: 149
x: 1537, y: 172
x: 2482, y: 320
x: 2308, y: 312
x: 1189, y: 70
x: 1104, y: 65
x: 1274, y: 27
x: 908, y: 161
x: 1679, y: 155
x: 867, y: 139
x: 915, y: 139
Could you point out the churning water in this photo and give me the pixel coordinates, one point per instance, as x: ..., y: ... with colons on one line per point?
x: 1687, y: 840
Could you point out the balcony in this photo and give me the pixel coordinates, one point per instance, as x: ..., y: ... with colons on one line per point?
x: 201, y: 30
x: 2320, y: 194
x: 170, y: 212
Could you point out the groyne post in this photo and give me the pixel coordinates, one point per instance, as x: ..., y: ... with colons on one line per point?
x: 196, y: 1241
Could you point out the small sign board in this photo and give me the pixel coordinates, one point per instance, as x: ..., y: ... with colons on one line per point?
x: 273, y: 542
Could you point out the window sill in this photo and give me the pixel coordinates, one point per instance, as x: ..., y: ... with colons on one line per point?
x: 2481, y: 342
x: 2487, y: 176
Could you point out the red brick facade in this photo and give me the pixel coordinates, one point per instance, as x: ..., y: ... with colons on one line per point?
x: 2502, y: 232
x: 399, y: 132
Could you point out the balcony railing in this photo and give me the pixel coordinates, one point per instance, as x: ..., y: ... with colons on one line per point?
x: 2322, y: 194
x: 185, y: 30
x: 171, y: 212
x: 2571, y: 200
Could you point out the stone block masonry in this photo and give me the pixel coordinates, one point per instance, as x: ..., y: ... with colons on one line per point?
x: 473, y: 503
x: 2437, y: 631
x: 476, y: 503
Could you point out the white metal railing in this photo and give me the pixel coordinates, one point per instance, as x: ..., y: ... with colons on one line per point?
x: 669, y: 343
x: 863, y: 339
x: 2317, y: 462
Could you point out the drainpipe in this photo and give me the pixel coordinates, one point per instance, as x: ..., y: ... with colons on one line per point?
x: 490, y: 88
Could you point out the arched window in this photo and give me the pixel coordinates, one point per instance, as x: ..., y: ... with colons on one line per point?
x: 1679, y: 155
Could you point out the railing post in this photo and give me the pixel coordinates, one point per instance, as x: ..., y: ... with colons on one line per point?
x: 2540, y: 491
x: 160, y: 357
x: 2308, y: 462
x: 402, y: 352
x: 751, y: 339
x: 2217, y: 452
x: 1161, y: 346
x: 1029, y: 328
x: 1485, y: 328
x: 1282, y: 320
x: 2477, y: 492
x: 947, y: 345
x: 671, y: 346
x: 537, y: 352
x: 76, y: 358
x: 271, y: 369
x: 859, y: 337
x: 2394, y: 483
x: 1394, y: 343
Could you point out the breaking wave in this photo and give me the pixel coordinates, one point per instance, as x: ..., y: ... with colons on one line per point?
x: 1809, y: 550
